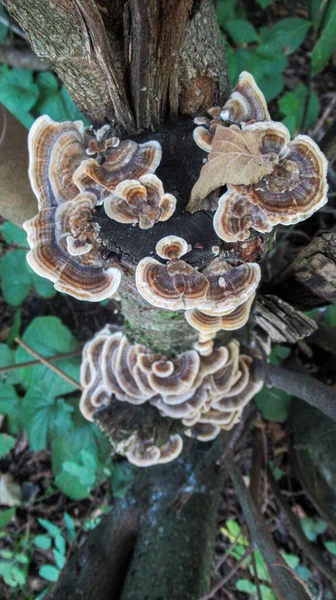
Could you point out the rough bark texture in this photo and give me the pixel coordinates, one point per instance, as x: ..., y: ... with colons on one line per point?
x: 163, y: 331
x: 281, y: 321
x: 17, y: 201
x: 310, y: 280
x: 130, y: 63
x: 171, y: 551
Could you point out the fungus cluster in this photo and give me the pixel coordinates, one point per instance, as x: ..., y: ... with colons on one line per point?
x: 269, y: 179
x: 207, y: 394
x: 63, y: 237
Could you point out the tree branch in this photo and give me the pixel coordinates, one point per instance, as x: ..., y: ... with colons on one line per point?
x: 306, y: 388
x: 284, y: 582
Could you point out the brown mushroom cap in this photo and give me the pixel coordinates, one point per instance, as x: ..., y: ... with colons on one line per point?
x: 176, y: 286
x: 229, y: 286
x: 236, y: 215
x: 298, y: 185
x: 142, y: 202
x: 246, y: 103
x: 171, y: 246
x: 128, y: 160
x: 55, y: 152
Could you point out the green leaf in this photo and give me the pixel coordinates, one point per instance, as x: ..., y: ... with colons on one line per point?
x: 54, y: 530
x: 303, y: 572
x: 7, y: 442
x: 15, y: 279
x: 241, y: 31
x: 279, y: 352
x: 330, y: 315
x: 326, y: 44
x: 286, y: 35
x: 274, y: 404
x: 23, y: 559
x: 291, y: 560
x: 18, y: 93
x: 7, y: 359
x: 59, y: 559
x: 265, y: 3
x: 261, y: 567
x: 245, y: 585
x: 48, y: 336
x: 18, y: 575
x: 43, y: 416
x: 42, y: 541
x: 42, y: 286
x: 70, y: 525
x: 312, y: 528
x: 331, y: 547
x: 15, y: 331
x: 49, y: 572
x: 6, y: 517
x: 10, y: 405
x: 228, y: 10
x: 292, y: 104
x: 13, y: 234
x: 60, y: 544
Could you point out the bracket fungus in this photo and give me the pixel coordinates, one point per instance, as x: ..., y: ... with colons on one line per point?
x: 142, y: 201
x: 63, y: 237
x: 174, y: 286
x: 196, y: 390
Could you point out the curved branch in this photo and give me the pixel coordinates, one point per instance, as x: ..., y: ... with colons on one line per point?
x: 306, y: 388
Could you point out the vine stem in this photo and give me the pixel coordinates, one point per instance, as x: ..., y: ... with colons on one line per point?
x: 48, y: 364
x: 31, y: 363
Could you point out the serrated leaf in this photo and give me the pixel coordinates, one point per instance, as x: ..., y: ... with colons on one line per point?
x: 241, y: 31
x: 42, y: 541
x: 6, y: 517
x: 44, y: 415
x: 48, y: 336
x: 13, y: 234
x: 286, y: 35
x: 49, y: 572
x: 326, y: 44
x: 274, y: 404
x: 15, y: 279
x: 235, y: 158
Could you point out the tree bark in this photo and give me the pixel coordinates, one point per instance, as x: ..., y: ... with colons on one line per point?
x: 146, y: 548
x: 130, y: 63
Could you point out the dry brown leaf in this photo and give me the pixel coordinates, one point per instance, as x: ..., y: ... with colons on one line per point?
x: 235, y: 158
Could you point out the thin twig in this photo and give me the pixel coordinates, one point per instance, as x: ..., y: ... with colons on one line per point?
x: 228, y: 576
x: 31, y: 363
x: 21, y: 59
x: 48, y: 364
x: 324, y: 116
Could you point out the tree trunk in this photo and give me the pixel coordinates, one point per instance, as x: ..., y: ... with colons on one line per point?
x: 147, y: 548
x: 135, y: 64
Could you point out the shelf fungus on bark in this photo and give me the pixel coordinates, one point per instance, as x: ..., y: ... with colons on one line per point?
x: 246, y: 103
x: 128, y: 160
x: 229, y: 286
x: 205, y: 393
x: 174, y: 286
x: 63, y: 239
x: 140, y: 201
x: 206, y: 323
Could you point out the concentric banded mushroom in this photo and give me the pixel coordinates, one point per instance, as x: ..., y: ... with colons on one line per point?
x: 246, y: 103
x: 142, y: 202
x: 236, y: 215
x: 229, y: 286
x: 175, y: 286
x: 129, y: 160
x: 62, y: 237
x: 206, y: 393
